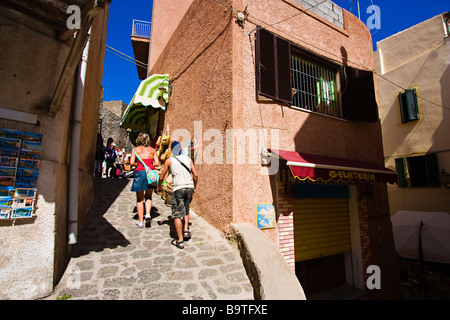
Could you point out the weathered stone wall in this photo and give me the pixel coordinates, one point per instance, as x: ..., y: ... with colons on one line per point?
x: 111, y: 115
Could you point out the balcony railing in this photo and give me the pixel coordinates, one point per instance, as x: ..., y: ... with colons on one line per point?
x: 141, y: 29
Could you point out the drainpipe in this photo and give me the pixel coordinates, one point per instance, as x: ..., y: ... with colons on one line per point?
x: 75, y: 147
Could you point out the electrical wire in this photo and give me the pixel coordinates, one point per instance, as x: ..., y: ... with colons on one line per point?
x: 339, y: 58
x: 297, y: 14
x: 182, y: 66
x: 125, y: 57
x: 314, y: 46
x: 140, y: 66
x: 419, y: 97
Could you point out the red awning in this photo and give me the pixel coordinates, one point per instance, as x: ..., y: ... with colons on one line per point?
x: 327, y: 169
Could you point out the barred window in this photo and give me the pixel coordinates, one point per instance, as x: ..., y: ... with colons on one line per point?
x: 315, y: 86
x: 293, y: 75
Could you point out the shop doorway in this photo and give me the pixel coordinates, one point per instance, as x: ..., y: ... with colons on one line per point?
x: 321, y: 235
x: 321, y: 274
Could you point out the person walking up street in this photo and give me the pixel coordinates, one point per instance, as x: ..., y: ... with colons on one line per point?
x: 110, y: 158
x: 143, y: 190
x: 184, y: 185
x: 99, y: 157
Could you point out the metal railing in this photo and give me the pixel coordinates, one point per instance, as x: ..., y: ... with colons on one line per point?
x: 141, y: 29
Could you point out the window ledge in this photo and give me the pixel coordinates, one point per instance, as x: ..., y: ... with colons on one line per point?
x: 317, y: 113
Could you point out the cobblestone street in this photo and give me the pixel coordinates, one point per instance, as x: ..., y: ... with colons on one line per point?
x: 113, y: 259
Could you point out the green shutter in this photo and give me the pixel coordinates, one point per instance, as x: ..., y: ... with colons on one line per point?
x: 401, y: 171
x: 433, y: 170
x: 412, y: 105
x: 409, y: 107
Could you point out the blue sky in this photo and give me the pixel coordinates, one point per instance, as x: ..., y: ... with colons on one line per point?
x: 120, y: 78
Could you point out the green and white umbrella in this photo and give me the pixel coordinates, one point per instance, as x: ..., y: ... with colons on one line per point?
x: 151, y: 97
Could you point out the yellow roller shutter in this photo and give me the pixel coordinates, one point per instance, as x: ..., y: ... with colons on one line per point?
x: 321, y: 228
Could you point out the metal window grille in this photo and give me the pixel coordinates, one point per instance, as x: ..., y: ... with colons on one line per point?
x: 314, y: 87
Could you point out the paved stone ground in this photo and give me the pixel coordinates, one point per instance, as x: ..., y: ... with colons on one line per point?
x: 113, y: 259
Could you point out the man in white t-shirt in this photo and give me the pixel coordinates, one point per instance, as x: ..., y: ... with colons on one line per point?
x: 183, y: 189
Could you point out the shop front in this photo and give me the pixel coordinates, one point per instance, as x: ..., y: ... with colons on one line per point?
x: 323, y: 221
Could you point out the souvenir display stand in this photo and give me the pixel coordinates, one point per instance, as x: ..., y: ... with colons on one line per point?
x: 20, y: 154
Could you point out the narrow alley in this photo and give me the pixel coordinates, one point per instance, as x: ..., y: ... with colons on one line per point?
x: 114, y: 259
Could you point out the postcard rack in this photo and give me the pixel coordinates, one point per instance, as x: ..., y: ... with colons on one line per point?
x: 20, y: 154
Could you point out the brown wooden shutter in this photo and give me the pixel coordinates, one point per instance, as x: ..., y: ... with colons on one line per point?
x: 265, y: 66
x: 284, y: 70
x: 358, y: 95
x: 273, y: 68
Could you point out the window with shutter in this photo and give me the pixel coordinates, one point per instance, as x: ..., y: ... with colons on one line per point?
x: 265, y: 67
x: 409, y: 107
x: 290, y: 74
x: 401, y: 171
x: 284, y: 70
x: 273, y: 66
x: 420, y: 171
x: 358, y: 95
x: 433, y: 170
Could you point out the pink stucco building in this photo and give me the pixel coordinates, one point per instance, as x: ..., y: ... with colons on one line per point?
x: 280, y: 102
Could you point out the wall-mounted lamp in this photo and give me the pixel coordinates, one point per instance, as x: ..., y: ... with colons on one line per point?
x: 241, y: 16
x: 166, y: 88
x: 265, y: 156
x: 444, y: 176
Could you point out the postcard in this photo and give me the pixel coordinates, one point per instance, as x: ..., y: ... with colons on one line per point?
x: 31, y: 136
x: 7, y: 181
x: 5, y: 202
x: 24, y: 163
x: 7, y: 172
x: 8, y: 161
x: 30, y: 154
x: 26, y: 183
x: 5, y: 213
x: 24, y: 193
x: 26, y: 173
x: 8, y: 133
x: 21, y: 213
x: 6, y: 191
x: 9, y: 152
x: 265, y: 216
x: 31, y: 145
x: 22, y: 203
x: 7, y: 143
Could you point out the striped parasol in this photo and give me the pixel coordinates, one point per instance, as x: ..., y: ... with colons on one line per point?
x: 152, y: 95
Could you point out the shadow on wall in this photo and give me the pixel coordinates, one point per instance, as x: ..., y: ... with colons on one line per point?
x: 441, y: 133
x: 97, y: 233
